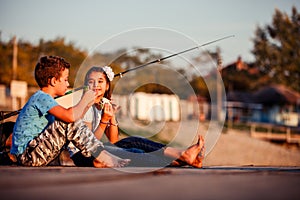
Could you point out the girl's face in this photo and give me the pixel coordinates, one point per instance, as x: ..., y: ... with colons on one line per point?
x: 97, y: 82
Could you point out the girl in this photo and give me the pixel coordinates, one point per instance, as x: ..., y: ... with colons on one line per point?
x: 101, y: 119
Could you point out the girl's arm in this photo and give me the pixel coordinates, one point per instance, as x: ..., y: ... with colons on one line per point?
x: 100, y: 130
x: 112, y: 132
x: 108, y: 124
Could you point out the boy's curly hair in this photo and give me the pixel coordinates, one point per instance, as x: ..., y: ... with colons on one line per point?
x: 49, y: 67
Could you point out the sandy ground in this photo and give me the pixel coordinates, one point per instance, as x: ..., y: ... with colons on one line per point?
x: 236, y: 148
x: 233, y: 147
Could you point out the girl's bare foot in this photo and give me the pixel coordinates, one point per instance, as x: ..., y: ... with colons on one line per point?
x: 198, y: 161
x: 106, y: 159
x: 192, y: 156
x: 191, y: 153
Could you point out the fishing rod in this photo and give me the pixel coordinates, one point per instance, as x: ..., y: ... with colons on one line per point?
x: 170, y: 56
x: 10, y: 114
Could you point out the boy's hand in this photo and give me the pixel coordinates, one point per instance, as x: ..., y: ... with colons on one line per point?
x: 89, y: 97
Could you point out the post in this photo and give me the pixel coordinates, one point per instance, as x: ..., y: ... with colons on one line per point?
x: 18, y: 90
x: 15, y: 56
x: 219, y: 89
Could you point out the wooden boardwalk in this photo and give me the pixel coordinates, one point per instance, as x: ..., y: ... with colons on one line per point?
x: 245, y: 182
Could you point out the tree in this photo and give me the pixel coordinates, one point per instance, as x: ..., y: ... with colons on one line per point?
x: 6, y: 62
x: 28, y: 55
x: 72, y: 54
x: 277, y: 50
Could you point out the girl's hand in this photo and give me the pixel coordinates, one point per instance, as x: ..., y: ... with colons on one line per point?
x: 108, y: 112
x: 116, y: 108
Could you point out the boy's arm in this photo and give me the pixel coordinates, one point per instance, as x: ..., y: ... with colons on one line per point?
x: 76, y: 112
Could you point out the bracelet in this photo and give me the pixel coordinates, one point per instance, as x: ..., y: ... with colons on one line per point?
x: 114, y: 124
x: 107, y: 123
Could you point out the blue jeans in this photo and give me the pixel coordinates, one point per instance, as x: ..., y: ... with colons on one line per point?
x: 140, y: 143
x: 141, y: 151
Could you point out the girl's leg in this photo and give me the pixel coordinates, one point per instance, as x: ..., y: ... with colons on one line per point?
x: 139, y: 143
x: 140, y: 159
x: 148, y: 146
x: 82, y: 161
x: 190, y: 156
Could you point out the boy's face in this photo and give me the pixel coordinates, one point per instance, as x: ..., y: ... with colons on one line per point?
x: 62, y: 83
x: 97, y: 83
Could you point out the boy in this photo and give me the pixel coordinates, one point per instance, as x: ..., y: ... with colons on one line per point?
x: 43, y: 127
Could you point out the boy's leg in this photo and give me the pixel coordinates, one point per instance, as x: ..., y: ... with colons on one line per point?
x: 84, y: 139
x: 45, y: 147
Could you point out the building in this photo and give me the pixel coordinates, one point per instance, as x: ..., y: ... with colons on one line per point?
x: 274, y: 104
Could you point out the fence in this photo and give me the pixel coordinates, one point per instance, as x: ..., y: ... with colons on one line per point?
x: 140, y: 106
x: 148, y: 107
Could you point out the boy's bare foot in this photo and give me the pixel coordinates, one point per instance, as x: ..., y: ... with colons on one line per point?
x: 106, y: 159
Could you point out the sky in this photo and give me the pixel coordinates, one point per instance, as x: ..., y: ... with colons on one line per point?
x: 115, y: 24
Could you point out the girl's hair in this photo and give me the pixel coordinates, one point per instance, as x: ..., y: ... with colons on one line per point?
x: 107, y: 94
x: 49, y: 67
